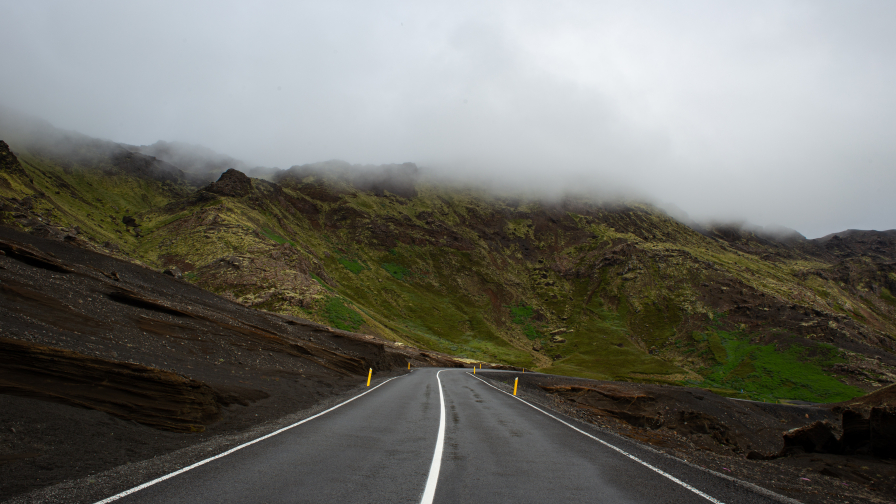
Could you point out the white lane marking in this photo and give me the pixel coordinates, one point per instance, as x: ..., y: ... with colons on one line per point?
x: 620, y: 450
x: 430, y: 492
x: 240, y: 447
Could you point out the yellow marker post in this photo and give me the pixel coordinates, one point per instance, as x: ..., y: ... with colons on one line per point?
x: 474, y: 369
x: 409, y: 366
x: 369, y: 374
x: 515, y: 383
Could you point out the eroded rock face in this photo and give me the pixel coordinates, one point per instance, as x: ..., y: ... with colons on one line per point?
x: 874, y: 435
x: 817, y: 437
x: 231, y: 183
x: 8, y: 161
x: 882, y: 425
x: 153, y: 397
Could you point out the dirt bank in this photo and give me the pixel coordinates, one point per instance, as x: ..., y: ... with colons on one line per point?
x: 104, y: 362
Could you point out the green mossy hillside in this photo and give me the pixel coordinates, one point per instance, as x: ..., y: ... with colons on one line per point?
x: 574, y: 287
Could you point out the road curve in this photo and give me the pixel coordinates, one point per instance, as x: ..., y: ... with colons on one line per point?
x: 380, y: 448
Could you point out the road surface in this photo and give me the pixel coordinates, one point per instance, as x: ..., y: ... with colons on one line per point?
x: 444, y: 437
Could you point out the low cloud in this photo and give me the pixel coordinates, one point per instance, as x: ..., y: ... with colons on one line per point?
x: 770, y: 112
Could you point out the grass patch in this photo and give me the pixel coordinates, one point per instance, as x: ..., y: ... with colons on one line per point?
x: 717, y: 349
x: 764, y: 373
x: 599, y: 348
x: 531, y: 332
x: 521, y: 314
x: 341, y: 316
x: 888, y: 297
x: 353, y: 266
x: 277, y: 238
x: 397, y: 271
x: 447, y: 318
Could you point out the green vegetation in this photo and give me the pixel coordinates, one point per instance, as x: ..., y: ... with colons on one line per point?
x: 353, y: 266
x: 601, y: 348
x: 887, y: 296
x: 341, y: 316
x: 398, y: 272
x: 277, y: 238
x: 531, y: 332
x: 321, y: 282
x: 762, y: 372
x: 522, y: 315
x: 421, y: 314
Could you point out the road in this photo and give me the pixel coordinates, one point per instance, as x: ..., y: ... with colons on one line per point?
x: 383, y: 447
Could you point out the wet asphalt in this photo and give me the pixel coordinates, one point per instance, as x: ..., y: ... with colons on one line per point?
x: 379, y: 448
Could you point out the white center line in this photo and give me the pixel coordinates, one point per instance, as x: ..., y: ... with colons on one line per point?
x: 430, y: 492
x: 620, y: 450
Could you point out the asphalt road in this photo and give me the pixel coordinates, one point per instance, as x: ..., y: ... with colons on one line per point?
x: 380, y: 447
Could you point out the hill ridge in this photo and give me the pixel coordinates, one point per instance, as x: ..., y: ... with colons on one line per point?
x: 607, y: 290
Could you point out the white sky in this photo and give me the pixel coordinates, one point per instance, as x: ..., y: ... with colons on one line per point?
x: 775, y: 112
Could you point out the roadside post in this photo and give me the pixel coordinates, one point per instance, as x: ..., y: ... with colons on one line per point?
x: 515, y: 383
x: 369, y: 374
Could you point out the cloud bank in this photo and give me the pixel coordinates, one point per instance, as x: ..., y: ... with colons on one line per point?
x: 774, y: 112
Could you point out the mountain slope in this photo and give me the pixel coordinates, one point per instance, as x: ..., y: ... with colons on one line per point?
x: 600, y: 290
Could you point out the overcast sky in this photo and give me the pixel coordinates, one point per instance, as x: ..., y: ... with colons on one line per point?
x: 775, y: 112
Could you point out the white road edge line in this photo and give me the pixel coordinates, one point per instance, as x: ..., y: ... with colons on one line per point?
x: 430, y: 491
x: 240, y: 447
x: 620, y: 450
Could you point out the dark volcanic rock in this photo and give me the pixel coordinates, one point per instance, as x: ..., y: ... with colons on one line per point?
x: 232, y: 183
x: 875, y: 434
x: 8, y: 161
x: 130, y: 391
x: 817, y: 437
x: 882, y: 425
x: 32, y: 257
x: 856, y: 431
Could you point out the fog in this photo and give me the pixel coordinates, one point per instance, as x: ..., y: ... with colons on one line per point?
x: 776, y: 113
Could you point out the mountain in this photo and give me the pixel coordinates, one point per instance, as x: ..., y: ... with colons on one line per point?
x: 579, y: 287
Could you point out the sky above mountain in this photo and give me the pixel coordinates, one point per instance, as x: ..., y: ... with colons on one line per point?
x: 778, y: 112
